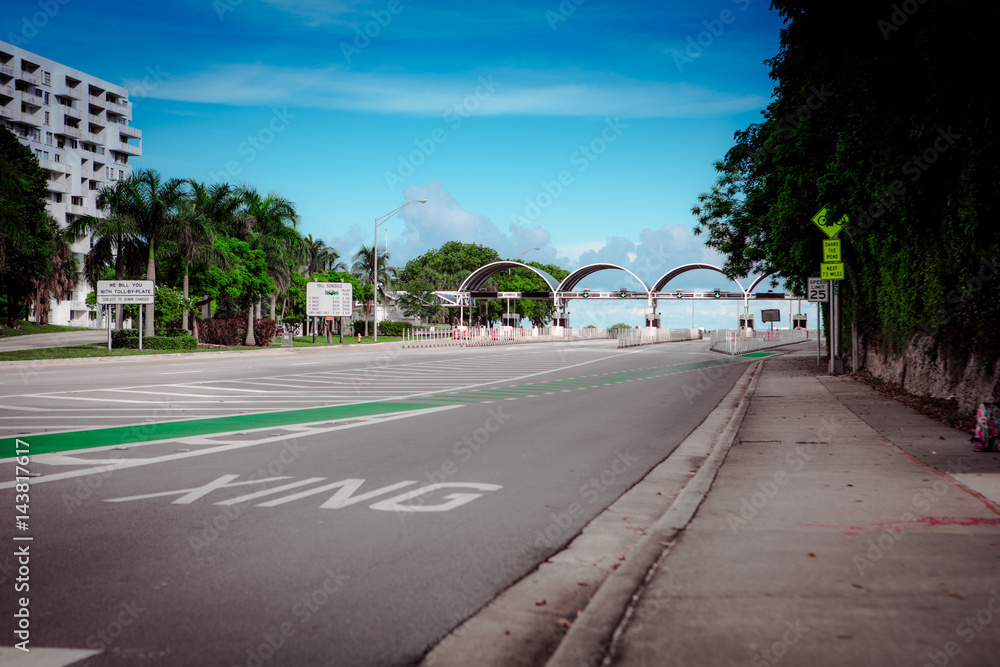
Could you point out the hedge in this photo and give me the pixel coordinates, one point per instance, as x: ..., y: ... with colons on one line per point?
x: 128, y: 339
x: 387, y: 328
x: 233, y: 332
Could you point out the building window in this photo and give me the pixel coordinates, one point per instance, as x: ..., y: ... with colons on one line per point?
x: 45, y: 155
x: 58, y: 157
x: 121, y: 174
x: 38, y: 153
x: 48, y: 138
x: 47, y: 80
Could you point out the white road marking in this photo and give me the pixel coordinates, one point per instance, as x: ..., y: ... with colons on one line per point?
x: 135, y: 463
x: 43, y: 657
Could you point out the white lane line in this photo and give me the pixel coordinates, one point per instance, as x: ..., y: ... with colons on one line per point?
x: 178, y: 372
x: 43, y: 657
x: 135, y: 463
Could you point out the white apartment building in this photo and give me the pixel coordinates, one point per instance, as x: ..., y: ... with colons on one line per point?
x: 79, y: 126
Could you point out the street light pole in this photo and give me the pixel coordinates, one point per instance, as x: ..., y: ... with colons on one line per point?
x: 378, y: 222
x: 508, y: 274
x: 692, y: 302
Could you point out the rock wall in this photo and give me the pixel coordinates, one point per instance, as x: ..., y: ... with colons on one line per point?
x: 921, y: 370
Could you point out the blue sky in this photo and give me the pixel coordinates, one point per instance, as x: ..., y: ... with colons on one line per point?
x: 586, y: 128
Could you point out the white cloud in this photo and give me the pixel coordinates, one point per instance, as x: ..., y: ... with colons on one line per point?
x: 502, y: 92
x: 316, y: 12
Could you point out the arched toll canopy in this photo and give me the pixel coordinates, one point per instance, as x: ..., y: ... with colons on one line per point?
x: 570, y: 282
x: 759, y: 280
x: 478, y: 278
x: 684, y: 268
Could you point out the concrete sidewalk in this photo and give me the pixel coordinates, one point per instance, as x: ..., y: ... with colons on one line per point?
x: 843, y: 528
x: 59, y: 339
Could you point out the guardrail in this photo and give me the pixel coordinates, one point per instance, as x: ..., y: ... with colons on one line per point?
x: 740, y: 341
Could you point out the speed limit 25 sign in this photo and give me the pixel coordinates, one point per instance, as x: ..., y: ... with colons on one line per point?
x: 817, y: 289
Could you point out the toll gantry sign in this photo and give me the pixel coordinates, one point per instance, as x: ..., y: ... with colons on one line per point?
x: 110, y: 292
x: 329, y: 299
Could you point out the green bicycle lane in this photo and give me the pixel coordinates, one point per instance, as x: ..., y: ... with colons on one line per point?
x: 47, y: 443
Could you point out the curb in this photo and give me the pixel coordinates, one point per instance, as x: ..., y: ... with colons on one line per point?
x: 592, y: 636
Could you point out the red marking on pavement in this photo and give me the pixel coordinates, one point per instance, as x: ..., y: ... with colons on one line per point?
x: 925, y: 520
x: 990, y: 506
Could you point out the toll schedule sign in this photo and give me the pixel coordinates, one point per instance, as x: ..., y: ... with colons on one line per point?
x: 125, y: 291
x: 329, y: 299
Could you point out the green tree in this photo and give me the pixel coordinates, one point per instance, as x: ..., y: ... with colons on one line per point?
x: 243, y: 277
x: 897, y: 133
x: 115, y: 240
x: 363, y: 268
x: 27, y: 233
x: 268, y: 223
x: 151, y: 204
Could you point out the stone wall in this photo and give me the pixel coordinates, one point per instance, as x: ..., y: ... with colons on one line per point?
x: 921, y: 370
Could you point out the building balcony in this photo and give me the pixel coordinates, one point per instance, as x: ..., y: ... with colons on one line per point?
x: 78, y: 305
x: 127, y: 149
x: 10, y: 114
x: 97, y: 100
x: 52, y: 165
x: 59, y: 186
x: 28, y: 78
x: 7, y: 69
x: 128, y: 131
x: 96, y: 119
x: 7, y: 91
x: 72, y: 112
x: 34, y: 118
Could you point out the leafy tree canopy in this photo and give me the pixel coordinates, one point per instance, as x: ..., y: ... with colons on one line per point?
x: 877, y: 116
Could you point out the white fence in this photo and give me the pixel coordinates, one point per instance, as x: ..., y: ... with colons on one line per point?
x: 482, y: 336
x: 652, y: 335
x: 741, y: 341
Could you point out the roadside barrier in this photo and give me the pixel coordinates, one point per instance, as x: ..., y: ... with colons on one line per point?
x: 741, y: 341
x: 653, y: 335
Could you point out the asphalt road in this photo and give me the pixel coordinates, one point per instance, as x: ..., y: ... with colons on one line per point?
x: 319, y: 509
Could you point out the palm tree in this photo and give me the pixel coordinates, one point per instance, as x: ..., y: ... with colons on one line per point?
x: 61, y: 278
x: 116, y: 243
x: 153, y: 208
x: 192, y: 235
x: 269, y: 224
x: 363, y: 269
x: 321, y: 257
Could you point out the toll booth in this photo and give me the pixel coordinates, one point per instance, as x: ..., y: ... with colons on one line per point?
x: 510, y: 320
x: 653, y: 321
x: 560, y: 320
x: 800, y: 322
x: 746, y: 321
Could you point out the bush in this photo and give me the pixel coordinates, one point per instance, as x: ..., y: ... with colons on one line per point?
x: 128, y: 339
x: 387, y: 328
x: 170, y: 343
x: 232, y: 332
x: 125, y: 339
x: 171, y: 332
x: 263, y: 331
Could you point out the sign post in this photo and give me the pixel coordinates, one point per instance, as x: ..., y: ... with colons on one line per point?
x: 113, y: 292
x: 818, y: 291
x: 832, y: 269
x: 329, y: 300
